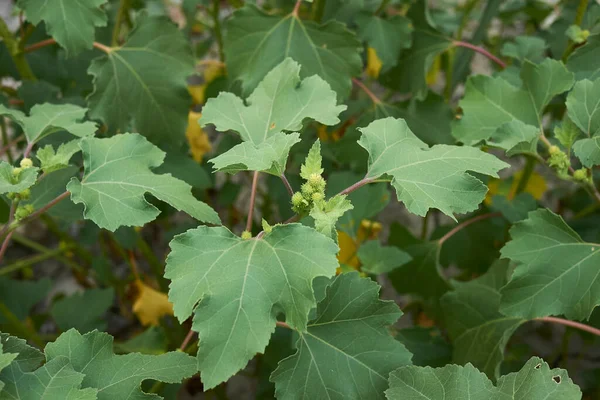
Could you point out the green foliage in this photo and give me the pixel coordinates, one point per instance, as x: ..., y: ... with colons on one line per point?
x: 297, y: 173
x: 117, y: 175
x: 330, y: 363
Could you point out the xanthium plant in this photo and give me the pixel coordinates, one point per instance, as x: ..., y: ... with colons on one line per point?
x: 299, y: 200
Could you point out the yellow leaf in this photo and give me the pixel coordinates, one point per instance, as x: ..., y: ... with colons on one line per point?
x: 374, y: 64
x: 197, y: 138
x: 348, y: 249
x: 536, y: 186
x: 211, y: 72
x: 150, y: 305
x: 197, y: 93
x: 433, y: 72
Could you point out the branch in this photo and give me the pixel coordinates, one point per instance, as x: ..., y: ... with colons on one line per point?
x: 252, y: 200
x: 572, y: 324
x: 187, y: 340
x: 365, y: 89
x: 466, y: 223
x: 480, y: 50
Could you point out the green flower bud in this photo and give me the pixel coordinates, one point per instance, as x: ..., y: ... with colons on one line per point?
x: 317, y: 196
x: 307, y: 189
x: 17, y: 171
x: 559, y: 161
x: 316, y: 180
x: 29, y: 208
x: 246, y: 235
x: 21, y: 212
x: 24, y: 195
x: 11, y: 196
x: 580, y: 175
x: 297, y: 199
x: 554, y: 150
x: 26, y: 163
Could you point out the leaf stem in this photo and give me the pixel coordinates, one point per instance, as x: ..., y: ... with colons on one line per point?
x: 217, y: 27
x: 252, y: 200
x: 480, y: 50
x: 527, y: 173
x: 187, y: 340
x: 287, y: 184
x: 296, y: 8
x: 466, y: 223
x: 13, y: 48
x: 49, y: 42
x: 581, y: 9
x: 572, y: 324
x: 27, y: 262
x: 365, y: 89
x: 283, y: 325
x: 357, y: 185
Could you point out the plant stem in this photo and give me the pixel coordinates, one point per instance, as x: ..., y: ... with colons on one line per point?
x: 49, y: 42
x: 123, y: 10
x: 480, y: 50
x: 357, y: 185
x: 30, y: 261
x: 43, y: 249
x: 5, y: 142
x: 424, y: 226
x: 217, y: 27
x: 466, y: 223
x: 317, y: 10
x: 5, y: 245
x: 283, y: 325
x: 287, y: 185
x: 187, y: 340
x: 12, y: 46
x: 296, y: 8
x: 527, y: 172
x: 572, y: 324
x: 252, y: 200
x: 361, y: 85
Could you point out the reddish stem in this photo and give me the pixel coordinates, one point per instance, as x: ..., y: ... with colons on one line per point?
x: 5, y: 245
x: 572, y: 324
x: 357, y: 185
x: 480, y: 50
x: 187, y: 340
x: 283, y: 325
x: 287, y: 185
x: 296, y: 8
x: 42, y: 210
x: 252, y: 200
x: 28, y: 149
x: 361, y: 85
x: 466, y: 223
x: 49, y: 42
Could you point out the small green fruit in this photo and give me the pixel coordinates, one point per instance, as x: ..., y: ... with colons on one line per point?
x: 318, y: 196
x: 580, y: 175
x: 553, y: 150
x: 316, y: 181
x: 26, y: 163
x: 246, y: 235
x: 17, y: 171
x: 307, y: 189
x: 297, y: 199
x: 24, y: 195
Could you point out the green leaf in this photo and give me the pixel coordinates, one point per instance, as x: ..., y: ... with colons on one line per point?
x: 9, y: 183
x: 55, y: 380
x: 117, y: 175
x: 427, y: 346
x: 152, y: 341
x: 312, y: 163
x: 280, y: 103
x: 144, y: 83
x: 83, y: 311
x: 52, y: 186
x: 478, y: 331
x: 51, y: 160
x: 450, y: 382
x: 72, y: 24
x: 557, y: 272
x: 45, y: 119
x: 236, y: 312
x: 425, y: 177
x: 377, y: 259
x: 256, y: 42
x: 535, y: 381
x: 409, y: 76
x: 117, y: 376
x: 567, y: 133
x: 327, y: 213
x: 27, y: 359
x: 515, y: 137
x: 490, y: 102
x: 525, y: 48
x: 588, y: 151
x: 20, y: 296
x: 515, y: 209
x: 584, y: 61
x: 387, y: 36
x: 347, y: 351
x: 583, y: 106
x: 5, y: 360
x: 270, y: 156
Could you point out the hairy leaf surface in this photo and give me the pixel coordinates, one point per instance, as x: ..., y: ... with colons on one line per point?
x: 237, y: 287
